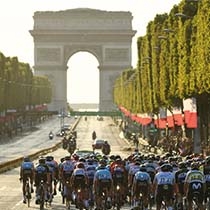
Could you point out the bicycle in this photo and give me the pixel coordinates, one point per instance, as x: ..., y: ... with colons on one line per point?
x: 140, y: 202
x: 118, y: 201
x: 104, y: 200
x: 28, y: 192
x: 68, y: 194
x: 79, y: 201
x: 195, y: 203
x: 151, y: 201
x: 62, y: 190
x: 181, y: 204
x: 41, y: 192
x: 207, y: 202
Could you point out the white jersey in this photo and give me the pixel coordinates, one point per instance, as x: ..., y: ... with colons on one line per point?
x: 164, y: 178
x: 79, y: 171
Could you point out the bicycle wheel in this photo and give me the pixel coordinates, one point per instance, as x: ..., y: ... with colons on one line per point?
x: 140, y: 203
x: 28, y: 193
x: 68, y: 197
x: 42, y: 197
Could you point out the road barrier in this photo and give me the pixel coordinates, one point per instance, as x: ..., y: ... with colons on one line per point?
x: 8, y: 165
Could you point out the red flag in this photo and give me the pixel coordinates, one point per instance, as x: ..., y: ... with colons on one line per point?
x: 190, y: 112
x: 177, y: 114
x: 146, y: 119
x: 162, y: 116
x: 160, y: 123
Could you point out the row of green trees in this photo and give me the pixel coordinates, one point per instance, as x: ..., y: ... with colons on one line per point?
x: 19, y: 88
x: 173, y: 62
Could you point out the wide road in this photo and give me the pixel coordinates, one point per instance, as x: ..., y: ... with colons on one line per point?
x: 10, y: 187
x: 32, y: 141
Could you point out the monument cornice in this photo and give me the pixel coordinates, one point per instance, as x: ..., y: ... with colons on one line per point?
x: 86, y: 32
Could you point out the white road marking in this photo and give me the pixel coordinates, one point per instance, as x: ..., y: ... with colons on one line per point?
x: 17, y: 204
x: 3, y: 188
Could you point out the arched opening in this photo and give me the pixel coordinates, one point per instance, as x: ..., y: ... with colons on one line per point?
x: 83, y: 80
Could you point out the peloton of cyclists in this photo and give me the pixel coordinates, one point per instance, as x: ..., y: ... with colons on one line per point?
x: 172, y: 176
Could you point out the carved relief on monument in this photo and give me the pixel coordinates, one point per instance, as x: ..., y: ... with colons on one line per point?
x: 48, y: 55
x: 96, y: 50
x: 82, y: 18
x: 116, y: 54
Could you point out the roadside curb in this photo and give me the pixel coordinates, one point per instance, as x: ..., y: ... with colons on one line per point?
x: 8, y: 165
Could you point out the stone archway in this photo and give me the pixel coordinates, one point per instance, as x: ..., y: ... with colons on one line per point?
x: 58, y: 35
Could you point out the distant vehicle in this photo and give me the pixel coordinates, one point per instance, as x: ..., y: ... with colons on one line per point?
x: 66, y: 127
x: 51, y: 135
x: 98, y: 144
x: 83, y: 153
x: 60, y: 133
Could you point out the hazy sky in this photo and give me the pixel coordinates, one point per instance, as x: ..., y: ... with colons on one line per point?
x: 16, y: 19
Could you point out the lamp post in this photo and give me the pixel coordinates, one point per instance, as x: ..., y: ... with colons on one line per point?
x: 192, y: 0
x: 182, y: 15
x: 168, y: 30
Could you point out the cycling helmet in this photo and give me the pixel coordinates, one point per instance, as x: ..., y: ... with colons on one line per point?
x: 68, y: 157
x: 42, y: 160
x: 112, y: 157
x: 118, y: 157
x: 90, y: 161
x: 75, y: 156
x: 143, y: 168
x: 80, y: 165
x: 182, y: 165
x: 194, y: 165
x: 102, y: 162
x: 166, y: 167
x: 82, y: 160
x: 49, y: 158
x: 26, y: 159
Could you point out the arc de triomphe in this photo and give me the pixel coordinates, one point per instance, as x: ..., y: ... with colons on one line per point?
x: 60, y: 34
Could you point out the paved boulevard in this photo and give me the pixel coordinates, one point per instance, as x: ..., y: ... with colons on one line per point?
x: 10, y: 187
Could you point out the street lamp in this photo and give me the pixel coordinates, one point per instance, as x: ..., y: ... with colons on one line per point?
x: 168, y: 30
x: 181, y: 15
x: 192, y: 0
x: 162, y: 37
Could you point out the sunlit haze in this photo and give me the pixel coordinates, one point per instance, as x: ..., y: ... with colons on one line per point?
x: 16, y: 19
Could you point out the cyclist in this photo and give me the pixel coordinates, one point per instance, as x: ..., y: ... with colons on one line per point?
x: 102, y: 183
x: 66, y: 170
x: 42, y: 172
x: 53, y: 166
x: 106, y: 149
x: 151, y: 167
x: 119, y: 175
x: 133, y: 168
x: 163, y: 186
x: 79, y: 180
x: 195, y: 184
x: 141, y: 184
x: 90, y: 171
x: 94, y: 135
x: 26, y: 172
x: 59, y: 173
x: 180, y: 176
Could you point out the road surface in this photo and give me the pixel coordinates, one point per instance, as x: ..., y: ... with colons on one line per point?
x: 10, y: 187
